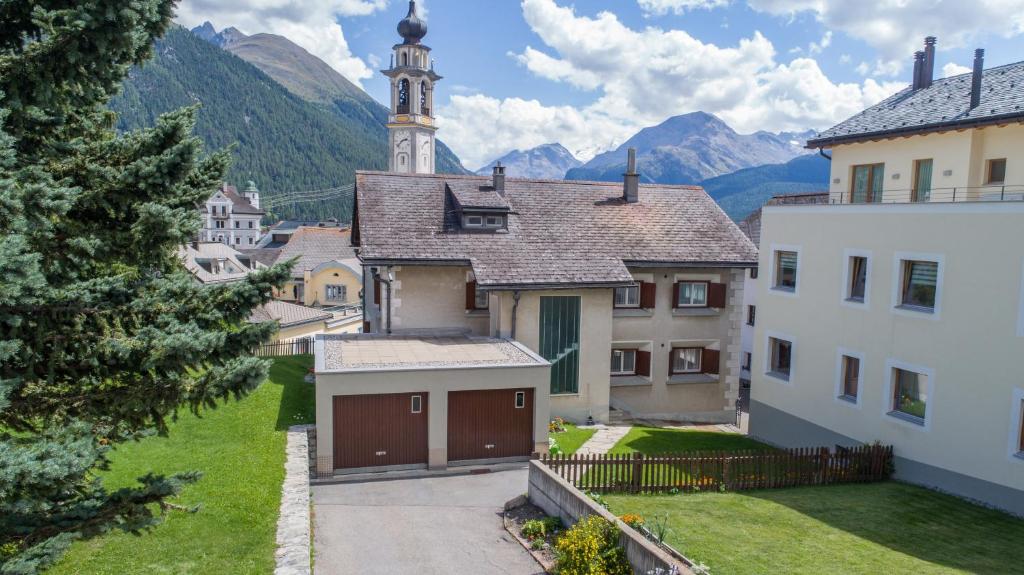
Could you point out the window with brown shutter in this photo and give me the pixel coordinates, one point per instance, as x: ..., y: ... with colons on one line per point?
x: 376, y: 291
x: 647, y: 294
x: 643, y: 363
x: 709, y: 361
x: 716, y: 295
x: 683, y: 360
x: 471, y: 295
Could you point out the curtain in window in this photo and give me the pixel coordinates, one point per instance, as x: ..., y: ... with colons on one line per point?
x: 686, y: 360
x: 923, y: 181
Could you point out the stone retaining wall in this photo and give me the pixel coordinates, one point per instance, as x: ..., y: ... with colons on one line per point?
x: 293, y: 528
x: 559, y: 498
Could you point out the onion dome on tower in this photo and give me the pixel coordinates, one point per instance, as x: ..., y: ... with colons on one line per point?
x: 411, y: 28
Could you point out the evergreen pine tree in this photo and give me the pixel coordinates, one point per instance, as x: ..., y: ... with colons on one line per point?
x: 103, y: 334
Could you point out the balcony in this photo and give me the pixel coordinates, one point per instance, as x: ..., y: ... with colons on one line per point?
x: 987, y: 193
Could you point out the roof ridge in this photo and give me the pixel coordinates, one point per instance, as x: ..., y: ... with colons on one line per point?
x: 531, y: 180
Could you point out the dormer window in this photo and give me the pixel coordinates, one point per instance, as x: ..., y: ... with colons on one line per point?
x: 483, y: 221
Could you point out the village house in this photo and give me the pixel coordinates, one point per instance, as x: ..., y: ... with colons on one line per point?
x: 232, y: 218
x: 895, y: 313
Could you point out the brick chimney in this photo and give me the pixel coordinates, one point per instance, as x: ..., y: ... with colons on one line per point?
x: 498, y: 177
x: 631, y: 180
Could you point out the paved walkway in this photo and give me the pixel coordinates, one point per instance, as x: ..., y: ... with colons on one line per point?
x: 605, y: 438
x: 430, y: 525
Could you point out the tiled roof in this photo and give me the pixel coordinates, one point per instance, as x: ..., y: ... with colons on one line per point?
x: 239, y: 205
x: 315, y: 246
x: 944, y: 104
x: 287, y: 314
x: 559, y: 232
x: 203, y: 259
x: 266, y: 256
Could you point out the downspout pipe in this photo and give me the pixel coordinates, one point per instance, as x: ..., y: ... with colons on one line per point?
x: 821, y: 152
x: 515, y: 307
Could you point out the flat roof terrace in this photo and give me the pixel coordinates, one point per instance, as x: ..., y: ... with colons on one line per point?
x: 373, y: 352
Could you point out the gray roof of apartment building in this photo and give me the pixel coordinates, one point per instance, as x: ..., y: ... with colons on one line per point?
x: 194, y: 255
x: 560, y: 233
x: 287, y: 314
x: 316, y: 246
x: 240, y: 204
x: 943, y: 105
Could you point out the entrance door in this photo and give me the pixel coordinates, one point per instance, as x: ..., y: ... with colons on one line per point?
x: 380, y: 430
x: 490, y: 424
x: 560, y: 341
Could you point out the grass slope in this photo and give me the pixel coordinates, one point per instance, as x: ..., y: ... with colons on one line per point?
x: 852, y: 529
x: 653, y: 440
x: 240, y: 448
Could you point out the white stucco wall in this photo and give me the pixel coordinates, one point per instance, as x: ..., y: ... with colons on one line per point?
x: 972, y: 345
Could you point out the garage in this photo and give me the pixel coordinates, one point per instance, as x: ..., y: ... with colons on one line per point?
x: 488, y: 399
x: 380, y: 430
x: 490, y: 424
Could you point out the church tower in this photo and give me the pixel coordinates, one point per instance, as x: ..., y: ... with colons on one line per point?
x: 411, y: 123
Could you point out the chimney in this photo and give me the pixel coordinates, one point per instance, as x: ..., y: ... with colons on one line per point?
x: 979, y: 66
x: 928, y: 72
x: 499, y: 178
x: 631, y: 183
x: 918, y: 68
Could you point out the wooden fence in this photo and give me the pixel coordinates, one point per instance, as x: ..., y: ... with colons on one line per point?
x: 733, y: 470
x: 302, y: 346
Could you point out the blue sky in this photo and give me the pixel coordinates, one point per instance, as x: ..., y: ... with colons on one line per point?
x: 590, y: 73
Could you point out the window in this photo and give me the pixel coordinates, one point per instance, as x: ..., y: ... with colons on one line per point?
x: 858, y: 278
x: 780, y: 357
x: 867, y: 183
x: 494, y: 221
x: 238, y: 241
x: 623, y: 362
x: 922, y: 181
x: 336, y: 293
x: 996, y: 172
x: 251, y: 224
x: 751, y: 313
x: 1020, y: 427
x: 238, y: 224
x: 919, y: 283
x: 250, y: 241
x: 753, y: 273
x: 850, y: 378
x: 416, y: 404
x: 219, y: 224
x: 686, y: 360
x: 628, y: 296
x: 482, y: 300
x: 785, y: 270
x: 748, y: 359
x: 520, y: 399
x: 909, y: 394
x: 692, y: 294
x: 483, y: 221
x: 474, y: 221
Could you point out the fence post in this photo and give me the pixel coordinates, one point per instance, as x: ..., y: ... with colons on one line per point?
x: 636, y: 481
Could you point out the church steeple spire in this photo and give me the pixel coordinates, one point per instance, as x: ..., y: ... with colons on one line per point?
x: 411, y: 123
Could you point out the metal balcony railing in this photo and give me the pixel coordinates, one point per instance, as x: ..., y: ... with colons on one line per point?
x: 987, y: 193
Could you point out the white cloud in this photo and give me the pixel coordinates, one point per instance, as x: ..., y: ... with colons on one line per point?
x: 954, y: 69
x: 662, y: 7
x: 844, y: 59
x: 311, y: 24
x: 818, y: 47
x: 896, y: 28
x: 642, y: 77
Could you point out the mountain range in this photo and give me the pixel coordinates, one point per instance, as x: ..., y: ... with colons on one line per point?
x: 294, y: 123
x: 547, y: 162
x: 691, y: 148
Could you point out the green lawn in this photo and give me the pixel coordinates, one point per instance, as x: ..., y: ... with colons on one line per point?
x: 572, y: 438
x: 239, y: 447
x: 859, y: 528
x: 654, y: 440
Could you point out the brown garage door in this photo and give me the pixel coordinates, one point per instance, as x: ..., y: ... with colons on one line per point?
x: 380, y: 430
x: 490, y: 424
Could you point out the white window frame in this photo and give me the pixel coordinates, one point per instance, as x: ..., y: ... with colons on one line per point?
x: 843, y: 399
x: 707, y: 289
x: 344, y: 292
x: 498, y: 221
x: 700, y: 359
x: 844, y: 295
x: 635, y: 287
x: 891, y: 365
x: 414, y: 405
x: 520, y: 395
x: 898, y: 267
x: 469, y: 223
x: 622, y: 352
x: 1013, y: 448
x: 773, y: 268
x: 768, y: 337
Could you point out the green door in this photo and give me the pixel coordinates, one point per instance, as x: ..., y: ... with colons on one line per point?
x: 560, y: 341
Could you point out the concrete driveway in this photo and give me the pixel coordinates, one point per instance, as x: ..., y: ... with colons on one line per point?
x: 444, y: 525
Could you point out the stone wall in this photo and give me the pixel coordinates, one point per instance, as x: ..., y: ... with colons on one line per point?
x: 293, y: 527
x: 560, y: 499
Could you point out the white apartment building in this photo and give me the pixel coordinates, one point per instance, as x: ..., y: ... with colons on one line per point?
x: 895, y: 313
x: 232, y: 218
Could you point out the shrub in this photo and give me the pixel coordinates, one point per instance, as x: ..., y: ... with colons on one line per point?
x: 553, y: 447
x: 556, y: 425
x: 540, y: 528
x: 591, y: 547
